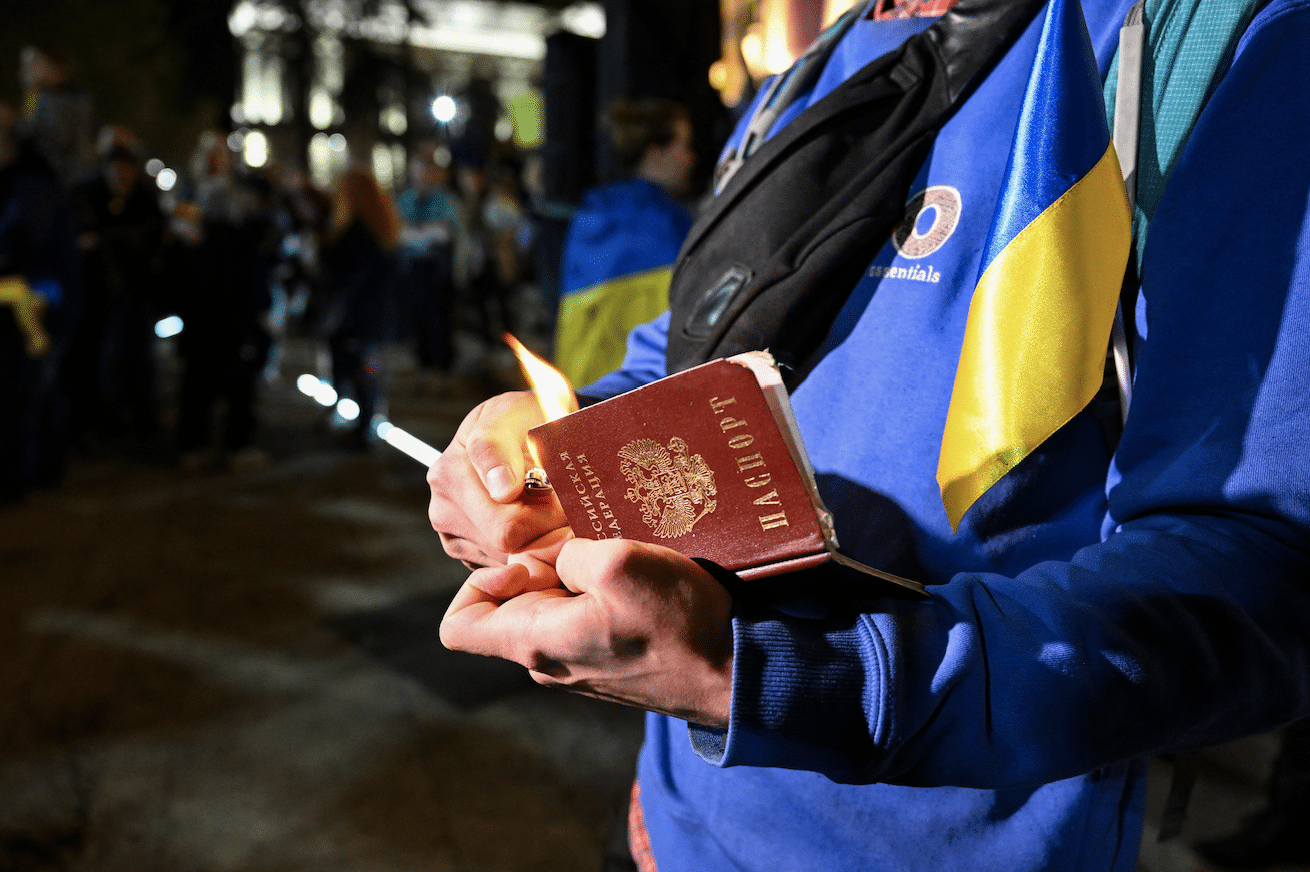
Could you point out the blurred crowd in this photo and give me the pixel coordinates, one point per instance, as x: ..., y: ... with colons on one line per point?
x: 97, y: 261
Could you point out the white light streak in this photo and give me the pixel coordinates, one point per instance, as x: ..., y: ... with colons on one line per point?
x: 320, y: 391
x: 407, y: 443
x: 170, y: 326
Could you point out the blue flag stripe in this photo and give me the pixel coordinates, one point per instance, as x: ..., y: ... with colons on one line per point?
x: 1047, y: 160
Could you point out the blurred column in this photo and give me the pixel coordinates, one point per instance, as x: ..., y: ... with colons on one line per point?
x: 569, y: 152
x: 664, y: 50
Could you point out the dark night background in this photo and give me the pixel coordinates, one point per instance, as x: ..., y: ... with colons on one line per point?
x: 166, y: 68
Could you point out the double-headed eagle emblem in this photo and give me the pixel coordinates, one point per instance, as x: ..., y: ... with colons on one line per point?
x: 673, y: 487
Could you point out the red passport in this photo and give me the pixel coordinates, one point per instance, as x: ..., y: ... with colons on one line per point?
x: 708, y: 461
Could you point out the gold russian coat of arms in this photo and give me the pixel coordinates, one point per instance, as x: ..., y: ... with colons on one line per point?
x: 673, y: 486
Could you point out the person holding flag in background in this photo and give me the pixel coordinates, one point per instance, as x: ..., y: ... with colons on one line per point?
x: 624, y: 237
x: 1102, y: 587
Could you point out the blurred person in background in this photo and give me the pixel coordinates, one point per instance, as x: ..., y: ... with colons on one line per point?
x: 503, y: 216
x: 486, y: 267
x: 121, y: 229
x: 624, y: 238
x: 39, y: 301
x: 296, y: 219
x: 433, y: 217
x: 58, y: 118
x: 360, y: 274
x: 223, y: 299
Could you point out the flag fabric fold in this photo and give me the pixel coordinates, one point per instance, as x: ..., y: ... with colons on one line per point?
x: 1039, y: 321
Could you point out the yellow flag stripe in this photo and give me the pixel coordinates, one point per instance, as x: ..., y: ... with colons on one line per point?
x: 1034, y: 346
x: 15, y: 291
x: 591, y: 338
x: 28, y: 311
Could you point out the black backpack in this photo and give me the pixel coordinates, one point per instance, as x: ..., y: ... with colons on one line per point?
x: 771, y: 261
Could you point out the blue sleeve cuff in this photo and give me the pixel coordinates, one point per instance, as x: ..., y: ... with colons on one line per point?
x: 807, y: 694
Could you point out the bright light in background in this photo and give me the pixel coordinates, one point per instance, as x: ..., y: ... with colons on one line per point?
x: 499, y: 43
x: 319, y: 391
x: 834, y: 8
x: 752, y: 50
x: 255, y: 149
x: 320, y: 159
x: 170, y: 326
x: 504, y: 128
x: 384, y: 165
x: 348, y: 409
x: 444, y: 109
x: 526, y: 114
x: 154, y: 166
x: 765, y: 44
x: 322, y: 393
x: 321, y: 108
x: 393, y: 119
x: 584, y: 19
x: 337, y: 141
x: 166, y: 179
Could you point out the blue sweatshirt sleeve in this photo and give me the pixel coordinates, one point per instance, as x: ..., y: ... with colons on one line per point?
x: 1186, y: 624
x: 644, y: 361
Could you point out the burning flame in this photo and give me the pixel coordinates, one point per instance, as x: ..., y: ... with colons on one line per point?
x: 553, y: 392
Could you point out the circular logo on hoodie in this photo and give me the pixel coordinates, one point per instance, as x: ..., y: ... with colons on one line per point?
x: 930, y: 218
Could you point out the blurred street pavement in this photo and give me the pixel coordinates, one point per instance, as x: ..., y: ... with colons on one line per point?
x: 239, y: 670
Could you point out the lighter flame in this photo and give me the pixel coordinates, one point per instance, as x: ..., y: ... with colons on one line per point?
x: 553, y: 392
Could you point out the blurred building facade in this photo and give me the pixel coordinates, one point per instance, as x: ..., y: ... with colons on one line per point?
x: 325, y: 82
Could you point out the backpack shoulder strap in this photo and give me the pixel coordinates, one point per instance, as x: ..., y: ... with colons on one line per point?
x: 1180, y: 49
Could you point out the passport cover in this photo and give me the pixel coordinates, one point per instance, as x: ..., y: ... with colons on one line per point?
x: 707, y: 461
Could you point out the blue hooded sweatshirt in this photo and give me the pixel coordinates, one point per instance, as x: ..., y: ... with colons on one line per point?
x: 1097, y: 605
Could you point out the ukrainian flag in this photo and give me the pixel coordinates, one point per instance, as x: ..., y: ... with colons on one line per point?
x: 1039, y: 322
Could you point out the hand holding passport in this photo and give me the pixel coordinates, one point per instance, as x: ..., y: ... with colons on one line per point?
x: 619, y: 620
x: 707, y: 463
x: 478, y: 503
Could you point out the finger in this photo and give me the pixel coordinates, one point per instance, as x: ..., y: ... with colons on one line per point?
x: 647, y: 588
x: 539, y: 558
x: 585, y: 564
x: 461, y: 508
x: 496, y: 443
x: 475, y: 605
x: 469, y: 553
x: 495, y: 613
x: 547, y: 547
x: 493, y: 584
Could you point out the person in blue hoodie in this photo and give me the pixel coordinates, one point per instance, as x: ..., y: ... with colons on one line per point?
x: 623, y: 239
x: 1104, y: 601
